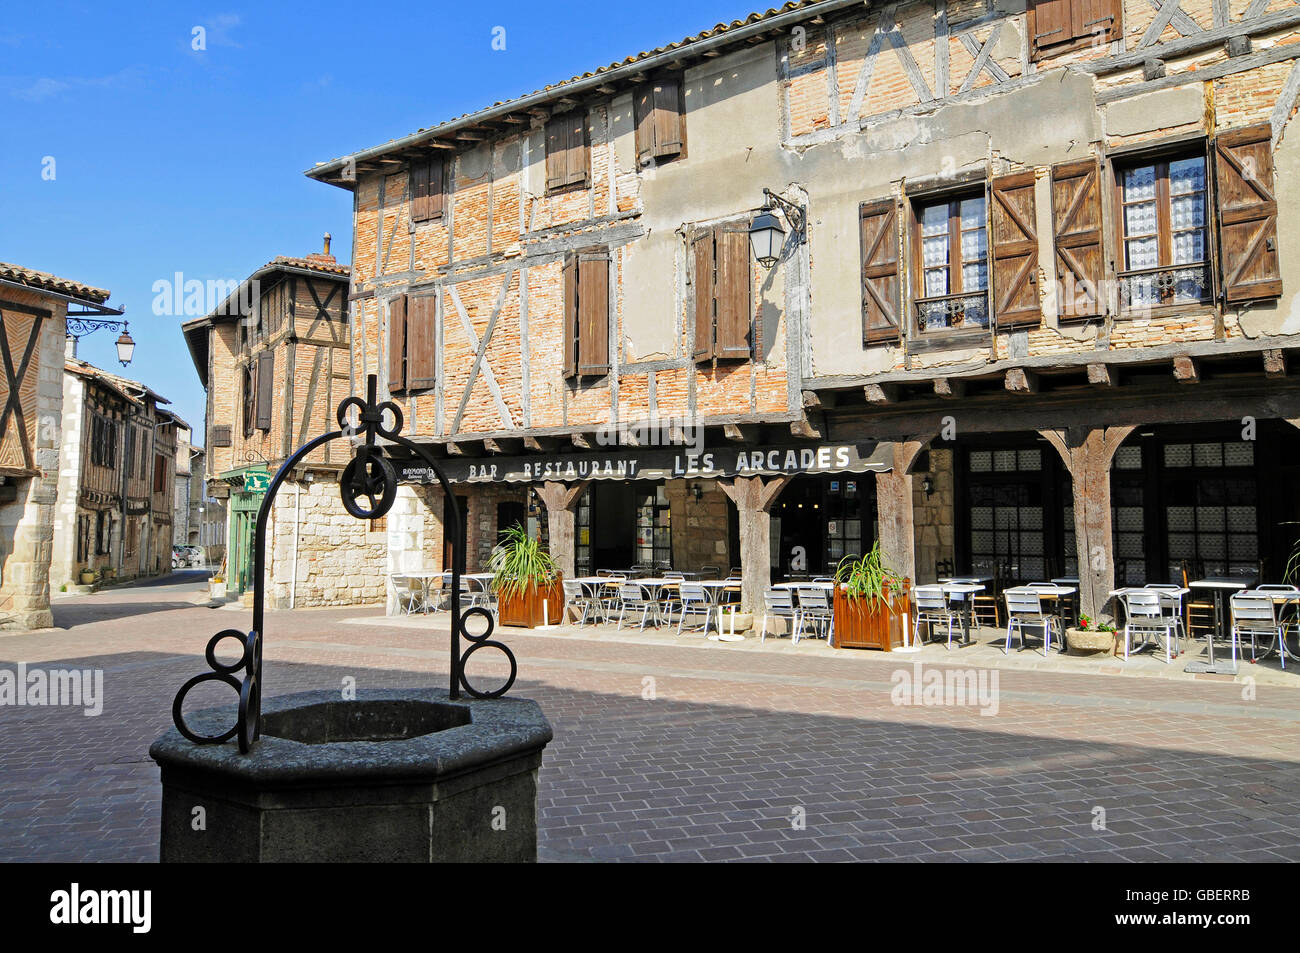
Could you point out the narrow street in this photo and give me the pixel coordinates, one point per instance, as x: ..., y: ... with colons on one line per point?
x: 677, y: 748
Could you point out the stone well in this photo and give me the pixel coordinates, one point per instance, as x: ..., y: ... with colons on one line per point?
x: 394, y: 776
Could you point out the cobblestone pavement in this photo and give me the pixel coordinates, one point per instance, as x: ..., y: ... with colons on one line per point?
x: 675, y: 748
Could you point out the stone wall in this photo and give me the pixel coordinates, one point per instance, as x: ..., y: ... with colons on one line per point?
x: 933, y: 515
x: 701, y: 535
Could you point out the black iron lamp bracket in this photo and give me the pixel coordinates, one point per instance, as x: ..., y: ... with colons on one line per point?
x: 796, y: 215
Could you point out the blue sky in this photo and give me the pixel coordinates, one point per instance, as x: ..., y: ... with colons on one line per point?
x: 170, y: 159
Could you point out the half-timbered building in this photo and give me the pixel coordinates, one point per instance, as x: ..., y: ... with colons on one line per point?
x: 1033, y: 306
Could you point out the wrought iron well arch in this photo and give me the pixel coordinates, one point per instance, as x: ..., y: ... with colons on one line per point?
x: 371, y: 475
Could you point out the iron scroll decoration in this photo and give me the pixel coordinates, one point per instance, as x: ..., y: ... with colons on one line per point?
x: 368, y: 487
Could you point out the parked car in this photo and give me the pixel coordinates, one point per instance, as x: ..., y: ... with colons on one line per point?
x: 184, y: 557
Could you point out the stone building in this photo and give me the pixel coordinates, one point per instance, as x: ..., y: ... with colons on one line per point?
x: 274, y: 360
x: 1032, y: 304
x: 116, y: 481
x: 189, y: 491
x: 34, y: 307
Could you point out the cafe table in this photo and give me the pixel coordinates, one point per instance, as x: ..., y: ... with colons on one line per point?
x: 1217, y: 585
x: 961, y: 589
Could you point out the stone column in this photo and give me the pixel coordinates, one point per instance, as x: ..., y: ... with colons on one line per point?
x: 559, y: 500
x: 894, y: 508
x: 1087, y: 453
x: 754, y: 498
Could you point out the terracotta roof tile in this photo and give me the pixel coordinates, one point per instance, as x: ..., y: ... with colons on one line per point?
x: 44, y: 281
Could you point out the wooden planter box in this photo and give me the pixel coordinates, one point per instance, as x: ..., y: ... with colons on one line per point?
x: 525, y: 611
x: 875, y: 625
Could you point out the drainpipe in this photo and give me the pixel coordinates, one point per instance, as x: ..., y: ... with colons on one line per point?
x: 297, y: 515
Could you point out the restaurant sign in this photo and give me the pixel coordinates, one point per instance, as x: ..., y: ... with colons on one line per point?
x: 657, y: 464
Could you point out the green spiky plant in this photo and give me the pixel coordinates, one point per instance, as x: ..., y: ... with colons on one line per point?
x: 519, y: 562
x: 867, y: 577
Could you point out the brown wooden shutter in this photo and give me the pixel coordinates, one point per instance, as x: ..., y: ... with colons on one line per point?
x: 593, y: 312
x: 426, y: 190
x: 1053, y: 23
x: 880, y: 274
x: 1100, y: 18
x: 397, y: 344
x: 557, y: 153
x: 579, y: 160
x: 669, y: 121
x: 644, y: 114
x: 437, y: 188
x: 702, y: 247
x: 421, y: 346
x: 1247, y: 207
x: 735, y: 312
x: 570, y: 315
x: 1077, y: 234
x: 265, y: 388
x: 221, y: 435
x: 1013, y: 242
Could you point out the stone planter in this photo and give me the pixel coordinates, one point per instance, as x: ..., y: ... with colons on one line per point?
x: 743, y: 621
x: 395, y: 776
x: 1090, y: 641
x: 216, y: 590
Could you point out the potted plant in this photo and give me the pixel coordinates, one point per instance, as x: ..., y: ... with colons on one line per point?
x: 526, y: 581
x: 87, y: 576
x: 872, y: 603
x: 1091, y: 636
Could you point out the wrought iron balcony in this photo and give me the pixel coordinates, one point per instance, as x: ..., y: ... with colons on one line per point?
x: 953, y: 312
x: 1168, y: 284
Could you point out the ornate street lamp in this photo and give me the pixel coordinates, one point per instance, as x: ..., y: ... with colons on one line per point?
x: 79, y: 327
x: 766, y: 236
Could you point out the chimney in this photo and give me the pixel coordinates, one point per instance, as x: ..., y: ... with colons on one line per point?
x: 70, y: 347
x: 324, y: 256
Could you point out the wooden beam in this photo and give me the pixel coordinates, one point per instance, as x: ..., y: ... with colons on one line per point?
x: 881, y: 393
x: 1275, y: 363
x: 1102, y: 375
x: 1021, y: 381
x: 740, y: 433
x: 539, y: 444
x: 581, y: 441
x: 804, y: 428
x: 454, y: 449
x: 814, y: 401
x: 949, y: 387
x: 1187, y: 370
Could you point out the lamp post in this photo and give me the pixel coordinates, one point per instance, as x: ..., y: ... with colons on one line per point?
x: 766, y: 236
x: 78, y: 327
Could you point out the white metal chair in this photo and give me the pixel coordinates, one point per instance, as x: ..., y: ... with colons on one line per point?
x: 779, y: 603
x: 1025, y: 608
x: 693, y: 601
x: 1171, y: 601
x: 409, y: 591
x: 580, y: 601
x: 1254, y: 613
x: 633, y: 598
x: 815, y: 607
x: 1286, y: 620
x: 932, y: 608
x: 1144, y: 615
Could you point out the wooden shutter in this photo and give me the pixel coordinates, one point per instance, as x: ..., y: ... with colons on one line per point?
x: 221, y: 435
x: 1247, y: 211
x: 702, y: 248
x: 593, y: 312
x: 397, y: 344
x: 880, y: 274
x: 578, y: 157
x: 265, y: 388
x: 1099, y: 18
x: 570, y: 315
x: 644, y: 113
x: 421, y: 343
x: 557, y: 154
x: 1053, y: 23
x: 669, y: 121
x: 1077, y: 234
x: 1013, y: 243
x: 734, y: 293
x: 426, y: 190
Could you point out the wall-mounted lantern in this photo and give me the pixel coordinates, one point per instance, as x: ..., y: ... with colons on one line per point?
x: 766, y: 236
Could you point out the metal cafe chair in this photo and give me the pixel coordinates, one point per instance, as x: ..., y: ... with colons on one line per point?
x: 779, y: 603
x: 1253, y: 613
x: 1144, y: 615
x: 710, y: 572
x: 1288, y: 616
x: 1171, y: 602
x: 943, y: 569
x: 815, y: 607
x: 984, y: 604
x: 932, y: 608
x: 581, y: 602
x: 693, y: 601
x: 1025, y: 608
x: 409, y: 592
x: 1199, y: 608
x: 633, y: 598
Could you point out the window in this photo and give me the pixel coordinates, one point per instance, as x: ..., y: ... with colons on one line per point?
x: 265, y: 388
x: 103, y: 533
x: 412, y: 343
x: 654, y: 539
x: 248, y: 399
x: 953, y: 256
x: 586, y: 313
x: 723, y: 287
x: 427, y: 190
x: 567, y: 160
x: 1058, y: 26
x: 1164, y: 242
x: 159, y: 473
x: 660, y: 121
